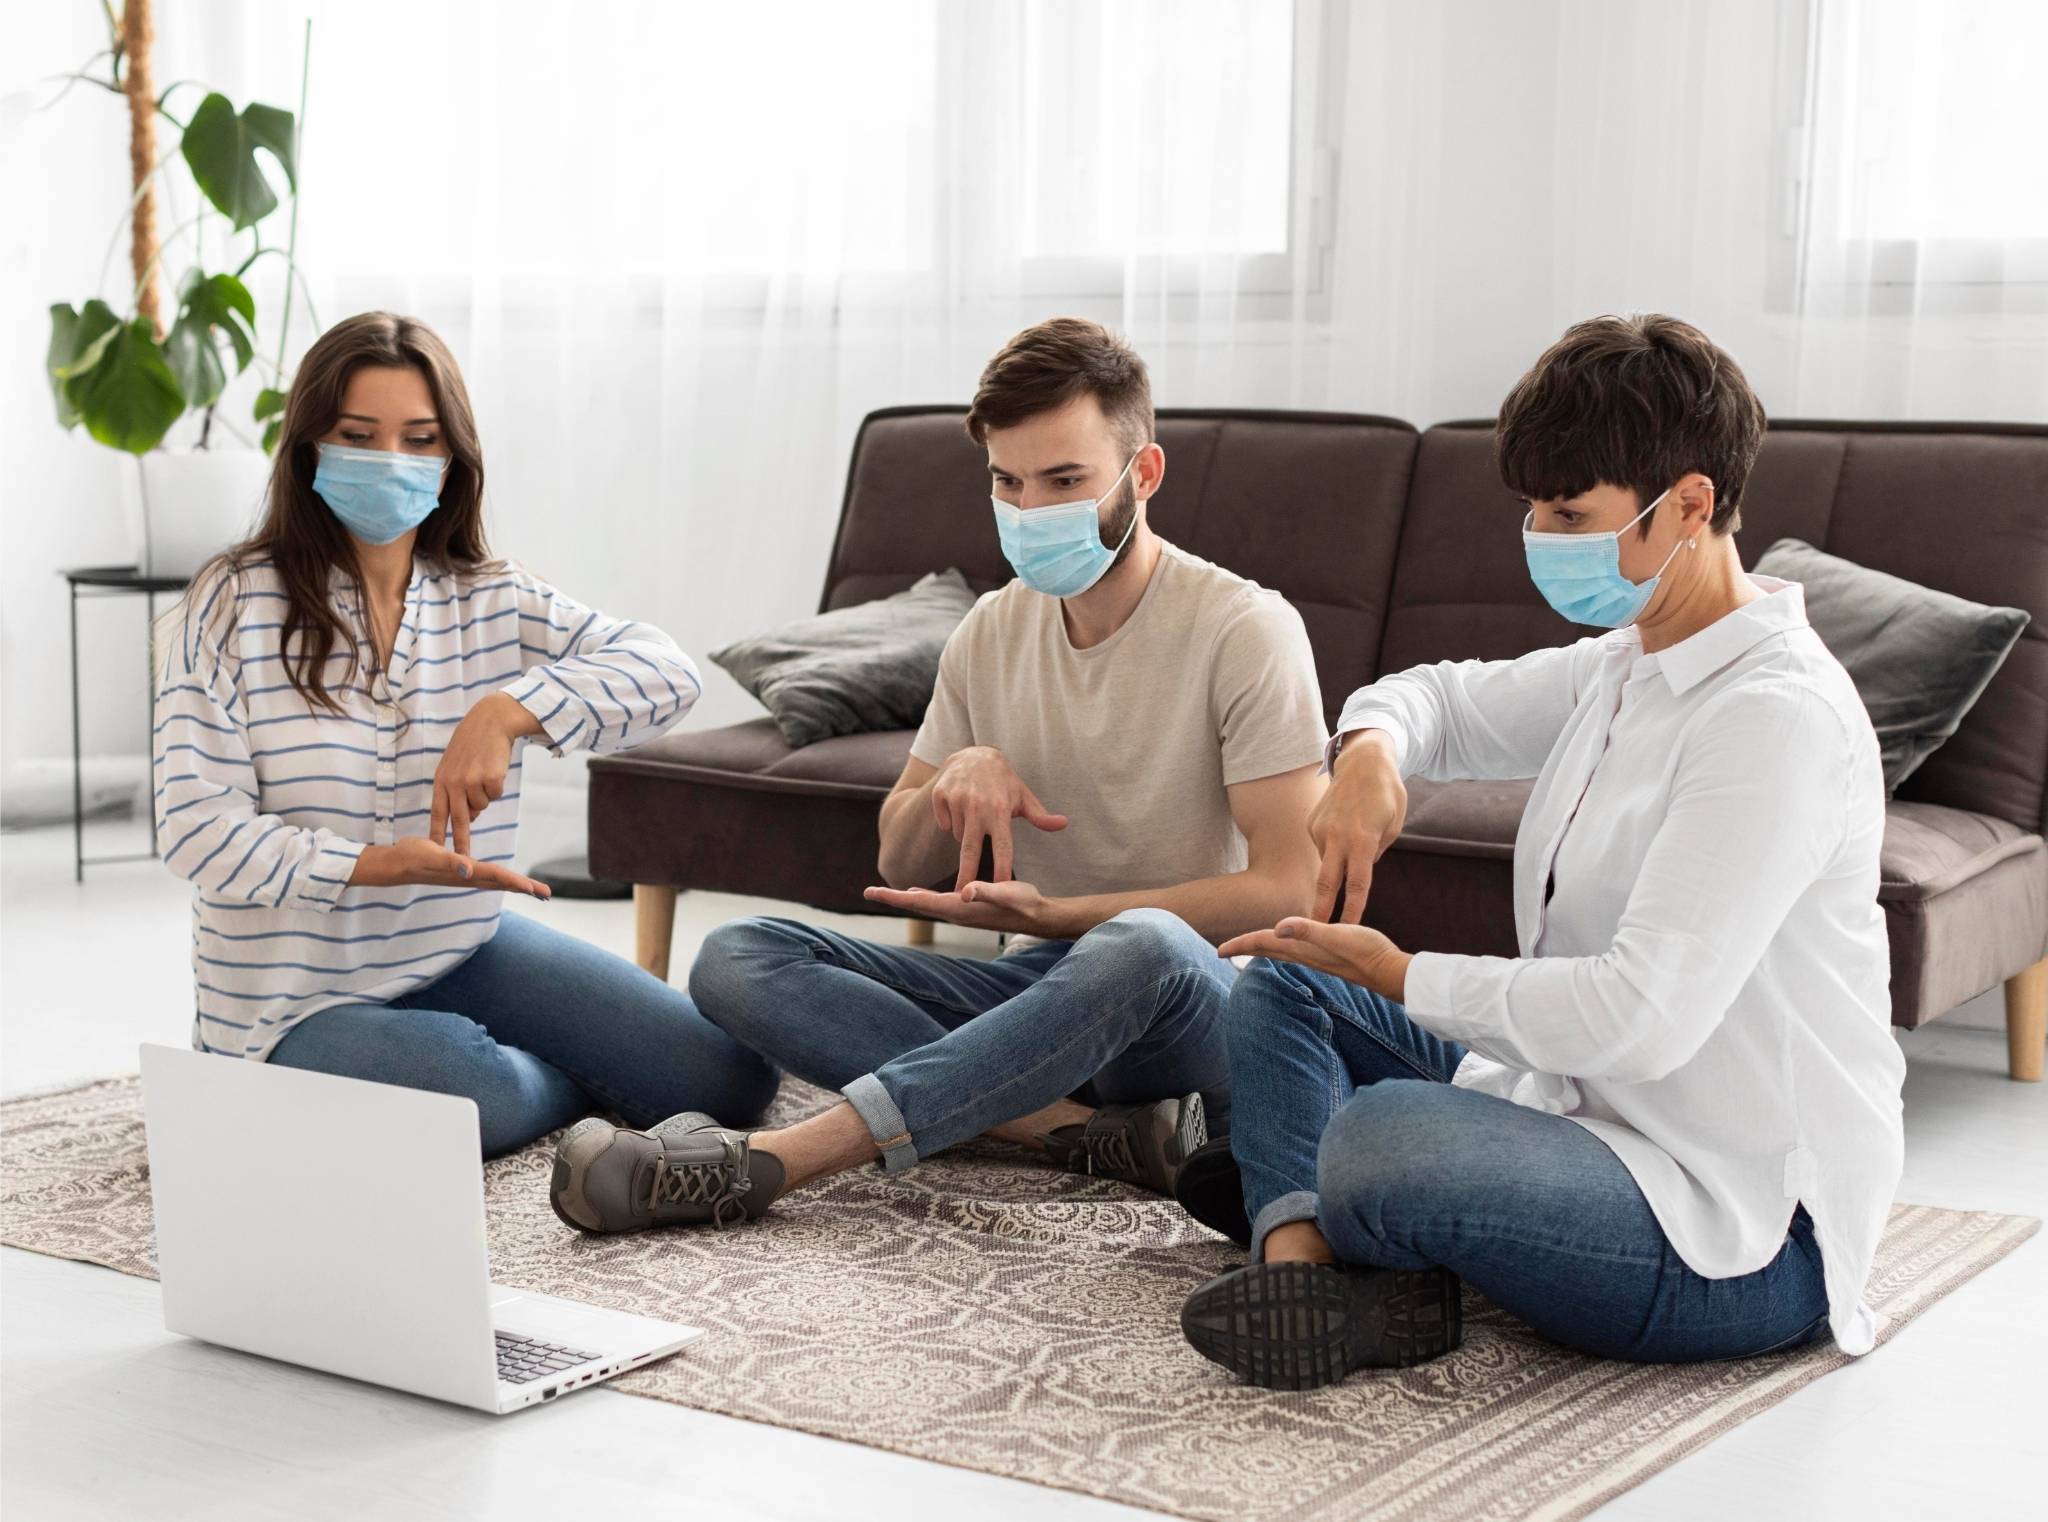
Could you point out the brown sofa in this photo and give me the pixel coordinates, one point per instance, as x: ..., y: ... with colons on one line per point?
x: 1398, y: 548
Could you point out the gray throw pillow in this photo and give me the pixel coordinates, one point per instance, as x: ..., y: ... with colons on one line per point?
x: 871, y: 666
x: 1919, y: 658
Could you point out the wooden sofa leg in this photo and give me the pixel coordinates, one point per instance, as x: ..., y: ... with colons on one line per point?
x: 919, y: 933
x: 2026, y: 1021
x: 654, y: 926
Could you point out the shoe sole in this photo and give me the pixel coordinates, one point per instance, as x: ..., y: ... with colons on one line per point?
x: 1190, y: 1134
x: 1300, y: 1326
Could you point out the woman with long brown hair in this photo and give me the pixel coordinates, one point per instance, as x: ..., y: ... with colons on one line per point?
x: 337, y: 738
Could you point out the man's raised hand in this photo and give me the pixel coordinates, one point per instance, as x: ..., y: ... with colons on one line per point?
x: 974, y: 797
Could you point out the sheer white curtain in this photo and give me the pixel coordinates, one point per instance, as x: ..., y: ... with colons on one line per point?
x: 1923, y: 258
x: 1848, y: 196
x: 681, y: 250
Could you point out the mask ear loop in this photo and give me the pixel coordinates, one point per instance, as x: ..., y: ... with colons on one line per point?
x: 1119, y: 481
x: 1658, y: 575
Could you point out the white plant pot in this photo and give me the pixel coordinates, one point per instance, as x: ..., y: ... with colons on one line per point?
x: 193, y: 504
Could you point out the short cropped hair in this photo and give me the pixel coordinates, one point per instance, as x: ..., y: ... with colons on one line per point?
x: 1635, y: 402
x: 1050, y: 364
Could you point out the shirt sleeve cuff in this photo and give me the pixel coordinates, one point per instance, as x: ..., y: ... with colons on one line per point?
x: 321, y: 880
x: 1350, y: 723
x: 552, y: 709
x: 1426, y: 991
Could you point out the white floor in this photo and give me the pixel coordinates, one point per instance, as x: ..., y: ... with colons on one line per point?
x: 104, y: 1415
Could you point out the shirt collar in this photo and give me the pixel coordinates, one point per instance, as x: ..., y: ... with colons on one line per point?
x: 1692, y: 660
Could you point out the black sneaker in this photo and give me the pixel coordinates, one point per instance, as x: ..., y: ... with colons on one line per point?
x: 1299, y: 1326
x: 1210, y: 1189
x: 1139, y: 1144
x: 686, y: 1171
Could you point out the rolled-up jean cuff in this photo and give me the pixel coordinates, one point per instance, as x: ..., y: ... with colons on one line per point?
x: 885, y: 1122
x: 1289, y: 1208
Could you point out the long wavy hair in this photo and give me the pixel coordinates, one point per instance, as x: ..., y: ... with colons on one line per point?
x: 301, y: 539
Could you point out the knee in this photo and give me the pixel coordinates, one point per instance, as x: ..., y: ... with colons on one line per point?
x: 727, y: 977
x: 1377, y: 1152
x: 1268, y: 994
x: 1155, y: 943
x: 452, y: 1054
x: 433, y: 1049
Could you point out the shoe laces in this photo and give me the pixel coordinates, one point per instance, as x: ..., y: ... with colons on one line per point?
x: 1109, y: 1151
x: 719, y: 1184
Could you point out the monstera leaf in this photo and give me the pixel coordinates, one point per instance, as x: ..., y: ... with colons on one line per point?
x: 77, y: 339
x: 111, y: 376
x: 220, y: 149
x: 269, y: 411
x: 206, y: 305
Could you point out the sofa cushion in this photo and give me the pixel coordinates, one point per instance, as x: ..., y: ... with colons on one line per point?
x: 1927, y: 849
x: 1465, y: 818
x: 1959, y: 507
x: 853, y: 670
x: 1919, y: 657
x: 804, y: 842
x: 754, y: 757
x: 1985, y: 924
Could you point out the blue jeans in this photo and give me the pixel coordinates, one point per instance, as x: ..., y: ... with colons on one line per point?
x: 540, y: 1028
x: 1347, y: 1117
x: 932, y: 1050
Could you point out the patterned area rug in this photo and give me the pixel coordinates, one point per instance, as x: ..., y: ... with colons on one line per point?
x: 989, y: 1312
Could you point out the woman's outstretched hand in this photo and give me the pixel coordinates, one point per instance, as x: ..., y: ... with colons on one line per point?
x: 415, y: 861
x: 1356, y: 953
x: 472, y: 772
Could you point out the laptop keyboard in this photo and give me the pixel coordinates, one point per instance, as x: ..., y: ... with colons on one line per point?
x: 521, y: 1359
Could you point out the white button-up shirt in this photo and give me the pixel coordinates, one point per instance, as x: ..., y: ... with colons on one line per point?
x: 265, y: 803
x: 1704, y: 977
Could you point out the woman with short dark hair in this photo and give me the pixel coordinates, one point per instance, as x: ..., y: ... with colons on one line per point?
x: 1669, y: 1129
x: 337, y: 737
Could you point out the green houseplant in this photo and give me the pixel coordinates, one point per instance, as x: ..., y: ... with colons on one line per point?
x: 131, y: 370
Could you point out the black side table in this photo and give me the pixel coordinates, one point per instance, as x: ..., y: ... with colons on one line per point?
x: 110, y: 581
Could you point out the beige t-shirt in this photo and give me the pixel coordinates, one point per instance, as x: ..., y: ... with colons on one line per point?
x: 1210, y: 682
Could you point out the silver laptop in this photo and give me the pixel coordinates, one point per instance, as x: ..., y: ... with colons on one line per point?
x: 340, y: 1225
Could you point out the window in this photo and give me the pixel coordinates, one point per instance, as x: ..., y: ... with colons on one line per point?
x: 1038, y: 147
x: 1921, y: 155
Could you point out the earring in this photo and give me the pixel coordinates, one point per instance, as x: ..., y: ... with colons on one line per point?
x: 1692, y: 544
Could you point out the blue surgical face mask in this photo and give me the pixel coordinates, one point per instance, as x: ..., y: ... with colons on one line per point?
x: 1580, y: 574
x: 377, y: 494
x: 1058, y: 550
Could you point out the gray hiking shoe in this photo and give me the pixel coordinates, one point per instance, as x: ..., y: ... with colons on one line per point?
x: 1139, y: 1144
x: 685, y: 1171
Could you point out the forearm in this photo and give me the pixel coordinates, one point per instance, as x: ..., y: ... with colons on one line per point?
x: 1470, y: 719
x: 513, y: 716
x: 914, y: 850
x: 1216, y: 907
x: 254, y: 858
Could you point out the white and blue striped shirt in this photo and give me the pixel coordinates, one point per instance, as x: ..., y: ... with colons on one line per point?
x: 264, y: 802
